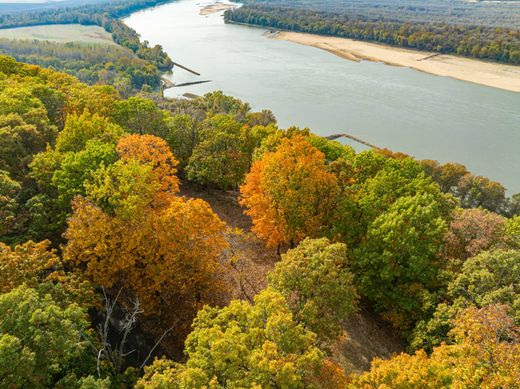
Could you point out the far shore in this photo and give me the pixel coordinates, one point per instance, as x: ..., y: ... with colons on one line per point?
x: 480, y: 72
x: 213, y: 8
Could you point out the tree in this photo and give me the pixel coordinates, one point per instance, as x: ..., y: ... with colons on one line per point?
x: 141, y: 116
x: 215, y: 103
x: 182, y: 137
x: 80, y: 129
x: 77, y: 169
x: 152, y: 150
x: 220, y: 158
x: 476, y: 191
x: 315, y: 279
x: 43, y: 342
x: 472, y: 231
x: 243, y: 345
x: 447, y: 176
x: 289, y: 194
x: 8, y: 202
x: 396, y: 266
x: 28, y: 264
x: 168, y: 257
x: 488, y: 278
x: 100, y: 99
x: 512, y: 232
x: 486, y: 354
x: 125, y: 188
x: 22, y: 136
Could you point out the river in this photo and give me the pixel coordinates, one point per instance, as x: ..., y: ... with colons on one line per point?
x: 426, y: 116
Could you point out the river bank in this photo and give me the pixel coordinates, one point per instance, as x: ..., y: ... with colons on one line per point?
x: 480, y: 72
x: 216, y: 7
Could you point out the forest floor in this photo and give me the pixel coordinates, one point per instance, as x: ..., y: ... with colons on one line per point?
x: 466, y: 69
x: 365, y: 335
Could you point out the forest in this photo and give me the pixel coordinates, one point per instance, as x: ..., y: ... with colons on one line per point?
x: 106, y: 15
x: 459, y: 12
x: 472, y: 39
x: 90, y: 63
x: 119, y: 269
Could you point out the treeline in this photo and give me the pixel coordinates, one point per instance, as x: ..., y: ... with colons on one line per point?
x: 458, y: 12
x: 94, y: 178
x: 106, y: 15
x: 497, y: 44
x: 90, y: 63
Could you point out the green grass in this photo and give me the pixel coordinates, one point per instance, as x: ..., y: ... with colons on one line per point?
x: 59, y: 33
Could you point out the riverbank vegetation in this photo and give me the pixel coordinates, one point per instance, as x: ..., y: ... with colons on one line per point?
x: 90, y: 63
x: 104, y: 14
x: 473, y: 39
x: 112, y: 275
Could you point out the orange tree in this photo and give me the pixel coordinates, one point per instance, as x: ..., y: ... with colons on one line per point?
x: 289, y: 193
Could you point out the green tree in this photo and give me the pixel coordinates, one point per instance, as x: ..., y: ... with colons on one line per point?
x: 315, y: 279
x: 396, y: 266
x: 488, y: 278
x: 141, y: 116
x: 80, y: 129
x: 243, y: 345
x: 219, y: 159
x: 42, y: 341
x: 182, y: 137
x: 8, y: 202
x: 125, y: 188
x: 78, y: 168
x: 22, y: 136
x: 215, y: 103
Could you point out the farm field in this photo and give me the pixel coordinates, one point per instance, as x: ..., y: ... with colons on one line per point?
x: 59, y: 33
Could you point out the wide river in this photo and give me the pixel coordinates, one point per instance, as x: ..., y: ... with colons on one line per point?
x: 402, y: 109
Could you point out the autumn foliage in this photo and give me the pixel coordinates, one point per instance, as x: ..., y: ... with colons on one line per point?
x: 486, y: 355
x: 167, y: 257
x: 155, y: 151
x: 289, y: 194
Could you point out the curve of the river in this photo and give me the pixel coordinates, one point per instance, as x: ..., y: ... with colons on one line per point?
x: 404, y: 110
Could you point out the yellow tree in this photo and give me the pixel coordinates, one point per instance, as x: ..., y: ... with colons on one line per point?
x: 26, y: 264
x: 486, y: 354
x: 289, y: 194
x: 168, y: 257
x: 153, y: 150
x: 33, y: 264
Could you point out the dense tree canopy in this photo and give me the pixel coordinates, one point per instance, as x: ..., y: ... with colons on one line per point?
x: 485, y: 354
x: 93, y: 177
x: 488, y: 278
x: 243, y: 345
x: 499, y: 44
x: 315, y: 279
x: 45, y: 344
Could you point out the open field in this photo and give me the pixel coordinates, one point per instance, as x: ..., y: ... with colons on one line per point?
x: 59, y: 33
x: 480, y: 72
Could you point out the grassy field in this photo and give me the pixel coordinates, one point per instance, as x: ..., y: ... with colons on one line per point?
x: 59, y: 33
